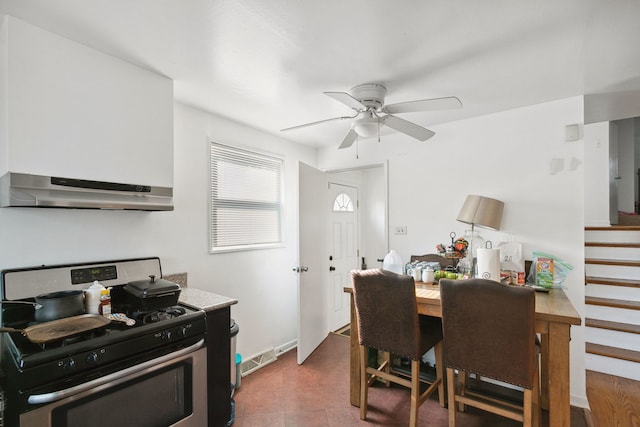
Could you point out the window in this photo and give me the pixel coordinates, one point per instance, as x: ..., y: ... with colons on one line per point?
x: 342, y: 203
x: 246, y: 199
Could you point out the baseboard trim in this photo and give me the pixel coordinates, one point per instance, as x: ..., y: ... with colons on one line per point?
x: 286, y: 347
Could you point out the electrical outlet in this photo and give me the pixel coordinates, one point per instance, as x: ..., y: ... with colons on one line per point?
x: 400, y: 230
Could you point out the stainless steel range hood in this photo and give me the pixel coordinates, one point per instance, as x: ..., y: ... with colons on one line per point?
x: 26, y: 190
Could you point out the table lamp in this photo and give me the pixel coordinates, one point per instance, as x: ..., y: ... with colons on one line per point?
x: 483, y: 212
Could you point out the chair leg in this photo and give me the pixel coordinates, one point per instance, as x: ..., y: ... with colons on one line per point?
x: 451, y: 396
x: 440, y: 373
x: 531, y: 410
x: 527, y: 409
x: 415, y: 392
x: 387, y: 369
x: 536, y: 397
x: 463, y: 376
x: 364, y: 383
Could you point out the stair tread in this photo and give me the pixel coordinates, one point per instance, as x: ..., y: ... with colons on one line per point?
x: 614, y: 228
x: 610, y: 302
x: 613, y: 326
x: 630, y: 262
x: 611, y: 281
x: 612, y: 244
x: 615, y: 352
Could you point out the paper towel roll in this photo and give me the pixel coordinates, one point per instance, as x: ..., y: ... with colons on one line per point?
x: 489, y: 264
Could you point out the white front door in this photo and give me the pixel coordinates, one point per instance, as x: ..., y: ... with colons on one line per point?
x: 343, y: 250
x: 312, y: 264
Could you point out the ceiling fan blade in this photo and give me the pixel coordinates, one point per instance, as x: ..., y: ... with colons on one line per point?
x: 348, y: 140
x: 318, y: 122
x: 408, y: 128
x: 347, y: 100
x: 433, y: 104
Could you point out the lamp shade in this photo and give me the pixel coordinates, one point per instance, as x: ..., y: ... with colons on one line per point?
x: 481, y: 211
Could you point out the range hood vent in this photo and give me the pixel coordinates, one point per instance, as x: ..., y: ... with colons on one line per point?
x: 26, y: 190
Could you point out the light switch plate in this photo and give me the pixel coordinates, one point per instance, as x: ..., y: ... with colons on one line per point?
x: 400, y: 230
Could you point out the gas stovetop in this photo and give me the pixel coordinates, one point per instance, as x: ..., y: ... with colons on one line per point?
x: 27, y: 353
x: 104, y: 349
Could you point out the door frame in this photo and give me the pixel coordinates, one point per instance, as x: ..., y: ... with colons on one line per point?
x: 385, y: 172
x: 324, y: 260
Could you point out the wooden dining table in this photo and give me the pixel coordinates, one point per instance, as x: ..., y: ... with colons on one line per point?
x: 554, y: 316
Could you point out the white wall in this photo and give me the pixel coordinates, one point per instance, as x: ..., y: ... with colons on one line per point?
x: 262, y: 280
x: 619, y: 104
x: 508, y: 156
x: 373, y: 210
x: 596, y: 161
x: 599, y: 139
x: 636, y: 145
x: 626, y: 165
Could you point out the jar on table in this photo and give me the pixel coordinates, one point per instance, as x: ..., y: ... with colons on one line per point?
x: 416, y: 272
x: 428, y: 275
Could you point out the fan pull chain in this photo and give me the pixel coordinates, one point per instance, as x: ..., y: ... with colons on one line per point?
x: 357, y: 145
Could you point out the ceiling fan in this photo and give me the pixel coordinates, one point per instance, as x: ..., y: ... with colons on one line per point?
x: 371, y: 113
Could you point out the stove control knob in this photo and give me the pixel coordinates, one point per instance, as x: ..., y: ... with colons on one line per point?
x: 69, y: 364
x: 92, y: 359
x: 182, y: 331
x: 166, y: 335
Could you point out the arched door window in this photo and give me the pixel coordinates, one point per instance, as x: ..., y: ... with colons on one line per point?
x: 342, y: 203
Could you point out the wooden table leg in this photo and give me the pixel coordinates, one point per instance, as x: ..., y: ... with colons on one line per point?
x: 558, y: 375
x: 544, y: 371
x: 354, y: 365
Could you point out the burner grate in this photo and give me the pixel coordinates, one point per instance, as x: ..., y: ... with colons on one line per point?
x: 154, y: 316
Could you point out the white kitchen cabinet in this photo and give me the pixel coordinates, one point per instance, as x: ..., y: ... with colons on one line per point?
x: 69, y: 110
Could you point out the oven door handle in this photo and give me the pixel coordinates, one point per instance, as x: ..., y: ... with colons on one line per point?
x: 114, y: 378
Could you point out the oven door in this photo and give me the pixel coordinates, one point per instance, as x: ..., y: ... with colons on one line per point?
x: 167, y: 391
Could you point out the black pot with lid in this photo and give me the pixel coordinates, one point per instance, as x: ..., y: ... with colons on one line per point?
x: 153, y: 294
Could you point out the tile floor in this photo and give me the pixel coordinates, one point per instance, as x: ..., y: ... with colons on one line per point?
x: 316, y: 394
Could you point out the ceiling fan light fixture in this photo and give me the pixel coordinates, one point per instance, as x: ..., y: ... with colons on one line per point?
x: 371, y: 113
x: 367, y: 127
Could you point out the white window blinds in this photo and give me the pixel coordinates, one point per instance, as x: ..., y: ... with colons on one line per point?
x: 246, y: 199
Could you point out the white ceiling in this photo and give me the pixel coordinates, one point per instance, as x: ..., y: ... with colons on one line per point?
x: 266, y: 62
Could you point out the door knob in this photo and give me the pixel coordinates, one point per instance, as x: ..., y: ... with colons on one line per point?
x: 332, y: 268
x: 300, y: 269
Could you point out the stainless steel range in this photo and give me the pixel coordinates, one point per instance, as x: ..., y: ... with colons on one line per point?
x: 148, y: 373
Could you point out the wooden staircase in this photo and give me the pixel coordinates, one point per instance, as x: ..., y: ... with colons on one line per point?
x: 612, y: 300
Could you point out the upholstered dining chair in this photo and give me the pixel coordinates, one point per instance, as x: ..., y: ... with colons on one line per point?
x: 489, y: 330
x: 388, y: 320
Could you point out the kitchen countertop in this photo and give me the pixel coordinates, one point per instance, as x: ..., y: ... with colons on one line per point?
x: 204, y: 300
